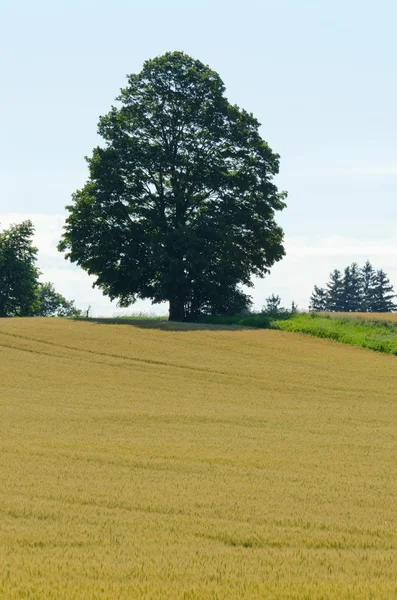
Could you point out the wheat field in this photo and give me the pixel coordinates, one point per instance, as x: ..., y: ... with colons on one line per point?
x: 148, y: 463
x: 364, y: 315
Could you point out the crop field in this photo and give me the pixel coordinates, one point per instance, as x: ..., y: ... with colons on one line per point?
x: 142, y: 462
x: 371, y: 316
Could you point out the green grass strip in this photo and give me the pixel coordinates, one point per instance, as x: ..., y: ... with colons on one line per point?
x: 376, y: 335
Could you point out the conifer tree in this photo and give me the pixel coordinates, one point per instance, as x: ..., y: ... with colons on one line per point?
x: 352, y: 289
x: 383, y: 294
x: 368, y: 279
x: 318, y: 300
x: 358, y: 290
x: 346, y: 289
x: 336, y: 292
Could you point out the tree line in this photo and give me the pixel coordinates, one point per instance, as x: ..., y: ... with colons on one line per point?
x: 21, y: 292
x: 355, y: 290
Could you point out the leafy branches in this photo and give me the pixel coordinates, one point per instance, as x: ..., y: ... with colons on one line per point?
x: 180, y: 204
x: 21, y: 292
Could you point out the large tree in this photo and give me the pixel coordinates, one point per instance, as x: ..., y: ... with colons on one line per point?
x: 180, y: 203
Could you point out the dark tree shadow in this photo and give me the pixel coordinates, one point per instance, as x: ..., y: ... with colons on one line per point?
x: 163, y: 325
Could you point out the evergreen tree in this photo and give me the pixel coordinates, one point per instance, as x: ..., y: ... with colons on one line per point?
x: 318, y: 300
x: 352, y: 285
x: 346, y: 289
x: 356, y: 292
x: 359, y: 290
x: 383, y: 294
x: 368, y: 280
x: 336, y: 292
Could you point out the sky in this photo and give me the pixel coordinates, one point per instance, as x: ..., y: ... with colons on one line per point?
x: 318, y: 75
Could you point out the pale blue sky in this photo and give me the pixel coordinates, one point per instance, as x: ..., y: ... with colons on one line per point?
x: 319, y: 76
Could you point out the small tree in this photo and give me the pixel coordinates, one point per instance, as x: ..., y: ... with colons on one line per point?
x: 383, y: 294
x: 318, y: 300
x: 335, y: 292
x: 18, y: 271
x: 53, y: 304
x: 272, y: 305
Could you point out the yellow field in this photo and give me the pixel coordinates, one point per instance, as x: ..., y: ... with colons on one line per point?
x: 142, y: 463
x: 372, y: 316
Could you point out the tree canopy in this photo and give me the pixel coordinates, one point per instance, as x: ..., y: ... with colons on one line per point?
x: 18, y: 271
x: 357, y: 290
x: 180, y: 203
x: 21, y: 292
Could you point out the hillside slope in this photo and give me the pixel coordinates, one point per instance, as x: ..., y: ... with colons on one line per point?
x: 140, y: 463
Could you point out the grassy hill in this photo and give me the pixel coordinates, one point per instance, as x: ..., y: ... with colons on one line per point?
x: 141, y: 462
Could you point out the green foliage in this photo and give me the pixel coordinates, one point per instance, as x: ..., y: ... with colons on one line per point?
x: 382, y: 294
x: 18, y: 271
x: 358, y: 290
x: 352, y: 289
x: 180, y: 203
x: 272, y: 305
x: 53, y: 304
x: 335, y: 292
x: 368, y: 281
x: 21, y: 293
x: 318, y: 299
x: 376, y: 335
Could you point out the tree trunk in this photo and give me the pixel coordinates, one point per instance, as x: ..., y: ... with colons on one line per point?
x: 177, y: 310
